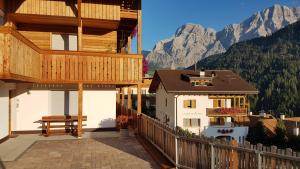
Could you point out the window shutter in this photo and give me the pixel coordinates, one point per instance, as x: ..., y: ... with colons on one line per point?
x: 193, y: 103
x: 223, y: 103
x: 185, y: 103
x: 215, y: 103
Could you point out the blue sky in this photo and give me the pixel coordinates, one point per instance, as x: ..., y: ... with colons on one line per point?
x: 161, y: 18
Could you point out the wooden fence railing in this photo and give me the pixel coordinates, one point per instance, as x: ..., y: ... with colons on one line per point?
x: 205, y: 153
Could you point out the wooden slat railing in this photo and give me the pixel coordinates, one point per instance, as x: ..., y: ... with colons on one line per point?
x: 204, y: 153
x: 20, y: 59
x: 16, y: 54
x: 226, y: 111
x: 91, y: 67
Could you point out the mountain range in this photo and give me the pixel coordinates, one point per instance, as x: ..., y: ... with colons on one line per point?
x: 270, y: 63
x: 193, y: 42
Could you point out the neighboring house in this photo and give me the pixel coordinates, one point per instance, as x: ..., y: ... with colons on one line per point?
x: 205, y: 102
x: 66, y: 58
x: 292, y: 124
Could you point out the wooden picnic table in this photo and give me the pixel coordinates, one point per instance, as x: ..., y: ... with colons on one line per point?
x: 60, y: 124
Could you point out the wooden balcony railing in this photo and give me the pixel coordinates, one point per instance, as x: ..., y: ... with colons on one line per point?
x: 20, y: 59
x: 226, y: 111
x: 91, y: 67
x: 16, y: 54
x: 104, y: 10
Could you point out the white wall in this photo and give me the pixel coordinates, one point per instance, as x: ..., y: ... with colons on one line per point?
x: 4, y: 111
x: 239, y: 133
x: 98, y: 105
x: 28, y: 108
x: 202, y: 102
x: 100, y: 108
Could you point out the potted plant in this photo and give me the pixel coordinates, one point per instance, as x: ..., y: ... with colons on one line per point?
x: 122, y: 121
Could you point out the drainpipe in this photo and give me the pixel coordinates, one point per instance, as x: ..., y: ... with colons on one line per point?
x: 176, y: 96
x: 176, y: 138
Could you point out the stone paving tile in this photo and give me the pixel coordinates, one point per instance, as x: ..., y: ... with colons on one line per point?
x: 100, y: 153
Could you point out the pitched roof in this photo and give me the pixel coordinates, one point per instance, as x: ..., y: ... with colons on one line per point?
x: 224, y: 82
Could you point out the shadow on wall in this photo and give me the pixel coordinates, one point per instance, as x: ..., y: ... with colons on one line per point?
x: 107, y: 123
x: 1, y: 164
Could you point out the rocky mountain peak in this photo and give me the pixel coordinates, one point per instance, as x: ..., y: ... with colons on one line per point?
x: 193, y: 42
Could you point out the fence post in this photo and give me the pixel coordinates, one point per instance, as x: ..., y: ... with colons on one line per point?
x: 176, y: 151
x: 212, y: 156
x: 234, y: 155
x: 259, y: 159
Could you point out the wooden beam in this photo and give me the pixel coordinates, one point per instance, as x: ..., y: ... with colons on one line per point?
x: 139, y: 33
x: 129, y: 100
x: 139, y: 99
x: 80, y: 109
x: 43, y: 19
x: 79, y: 10
x: 79, y: 36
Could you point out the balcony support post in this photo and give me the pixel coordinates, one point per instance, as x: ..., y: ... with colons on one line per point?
x: 123, y: 96
x: 129, y: 100
x: 79, y: 35
x: 80, y: 99
x: 139, y: 99
x: 139, y: 26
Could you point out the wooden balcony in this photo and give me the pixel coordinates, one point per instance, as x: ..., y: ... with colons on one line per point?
x: 226, y: 111
x: 21, y: 60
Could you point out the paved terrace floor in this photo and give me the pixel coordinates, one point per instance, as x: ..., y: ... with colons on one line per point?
x: 101, y: 151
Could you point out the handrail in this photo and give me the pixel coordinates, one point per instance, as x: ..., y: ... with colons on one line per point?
x: 19, y: 36
x: 88, y: 53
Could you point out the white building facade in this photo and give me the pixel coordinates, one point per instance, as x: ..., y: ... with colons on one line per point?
x: 200, y: 112
x: 30, y: 102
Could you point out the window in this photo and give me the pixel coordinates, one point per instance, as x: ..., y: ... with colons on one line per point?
x: 191, y: 122
x: 64, y: 42
x: 189, y: 104
x: 217, y: 103
x: 216, y: 121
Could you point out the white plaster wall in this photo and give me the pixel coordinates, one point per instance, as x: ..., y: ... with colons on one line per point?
x: 100, y: 108
x: 162, y: 109
x: 4, y: 111
x: 64, y: 42
x: 29, y: 107
x: 202, y: 102
x: 239, y: 133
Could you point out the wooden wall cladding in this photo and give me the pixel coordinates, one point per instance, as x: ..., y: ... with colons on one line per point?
x: 101, y: 9
x: 106, y: 42
x: 43, y: 7
x: 40, y: 39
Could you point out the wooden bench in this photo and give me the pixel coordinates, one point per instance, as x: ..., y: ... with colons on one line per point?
x: 60, y: 124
